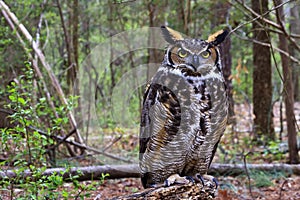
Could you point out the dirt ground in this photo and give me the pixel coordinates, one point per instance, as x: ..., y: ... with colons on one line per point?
x: 263, y: 186
x: 231, y: 188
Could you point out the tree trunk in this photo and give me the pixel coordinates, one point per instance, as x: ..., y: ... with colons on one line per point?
x: 75, y: 38
x: 221, y: 15
x: 183, y: 14
x: 295, y: 29
x: 288, y: 90
x: 156, y: 12
x: 262, y: 79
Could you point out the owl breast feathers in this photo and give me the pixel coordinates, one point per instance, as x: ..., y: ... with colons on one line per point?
x: 184, y: 111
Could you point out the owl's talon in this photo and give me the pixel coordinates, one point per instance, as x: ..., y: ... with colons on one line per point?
x: 152, y: 186
x: 216, y: 182
x: 199, y: 178
x: 190, y: 179
x: 209, y: 179
x: 176, y: 179
x: 167, y: 183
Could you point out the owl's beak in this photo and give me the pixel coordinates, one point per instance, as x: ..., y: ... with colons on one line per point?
x: 195, y: 61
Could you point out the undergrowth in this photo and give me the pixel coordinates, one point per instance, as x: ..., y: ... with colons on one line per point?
x: 26, y: 149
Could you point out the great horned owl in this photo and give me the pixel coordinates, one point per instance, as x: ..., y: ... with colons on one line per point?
x: 184, y: 111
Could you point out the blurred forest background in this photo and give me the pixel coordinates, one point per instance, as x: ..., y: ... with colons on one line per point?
x: 46, y: 121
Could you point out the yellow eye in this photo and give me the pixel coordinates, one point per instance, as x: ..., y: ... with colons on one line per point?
x: 182, y: 53
x: 205, y: 54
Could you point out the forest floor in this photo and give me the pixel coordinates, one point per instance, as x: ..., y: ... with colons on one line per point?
x: 235, y: 147
x: 236, y: 144
x: 259, y: 185
x: 284, y: 188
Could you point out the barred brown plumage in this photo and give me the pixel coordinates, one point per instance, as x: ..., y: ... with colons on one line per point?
x: 184, y: 111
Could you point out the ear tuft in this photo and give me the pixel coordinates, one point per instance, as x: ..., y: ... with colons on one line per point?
x: 170, y: 35
x: 217, y: 37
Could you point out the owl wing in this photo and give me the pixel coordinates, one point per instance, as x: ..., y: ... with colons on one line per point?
x: 220, y: 112
x: 160, y: 118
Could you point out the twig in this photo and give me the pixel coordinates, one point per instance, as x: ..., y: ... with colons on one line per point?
x: 281, y: 23
x: 268, y: 45
x: 281, y: 188
x: 62, y: 140
x: 247, y: 173
x: 111, y: 143
x: 261, y: 17
x: 81, y: 146
x: 279, y: 26
x: 123, y: 1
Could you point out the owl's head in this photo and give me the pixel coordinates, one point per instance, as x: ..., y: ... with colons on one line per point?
x: 195, y: 55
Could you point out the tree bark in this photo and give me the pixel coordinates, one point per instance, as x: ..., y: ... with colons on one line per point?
x: 188, y: 191
x: 70, y: 32
x: 156, y: 12
x: 288, y: 91
x: 262, y: 77
x: 220, y: 17
x: 295, y: 29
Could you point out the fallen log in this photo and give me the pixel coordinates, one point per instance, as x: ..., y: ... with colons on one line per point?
x: 82, y: 173
x: 132, y: 170
x: 217, y: 169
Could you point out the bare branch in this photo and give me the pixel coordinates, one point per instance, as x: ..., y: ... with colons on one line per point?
x: 281, y: 188
x: 261, y: 17
x: 247, y: 173
x: 42, y: 58
x: 268, y: 45
x: 65, y: 139
x: 281, y: 23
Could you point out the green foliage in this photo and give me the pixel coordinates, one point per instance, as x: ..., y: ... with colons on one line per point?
x: 27, y: 148
x: 265, y: 179
x: 273, y: 149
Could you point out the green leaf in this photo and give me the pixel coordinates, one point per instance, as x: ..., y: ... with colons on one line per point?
x: 12, y: 98
x: 21, y: 100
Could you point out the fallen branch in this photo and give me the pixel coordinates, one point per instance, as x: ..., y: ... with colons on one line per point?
x: 83, y: 173
x: 238, y: 169
x: 132, y: 170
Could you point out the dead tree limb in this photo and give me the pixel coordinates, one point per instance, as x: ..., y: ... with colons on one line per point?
x: 83, y: 173
x: 132, y: 170
x: 65, y: 140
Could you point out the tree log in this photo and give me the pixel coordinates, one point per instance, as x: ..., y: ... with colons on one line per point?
x: 188, y: 191
x: 83, y: 173
x: 132, y: 170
